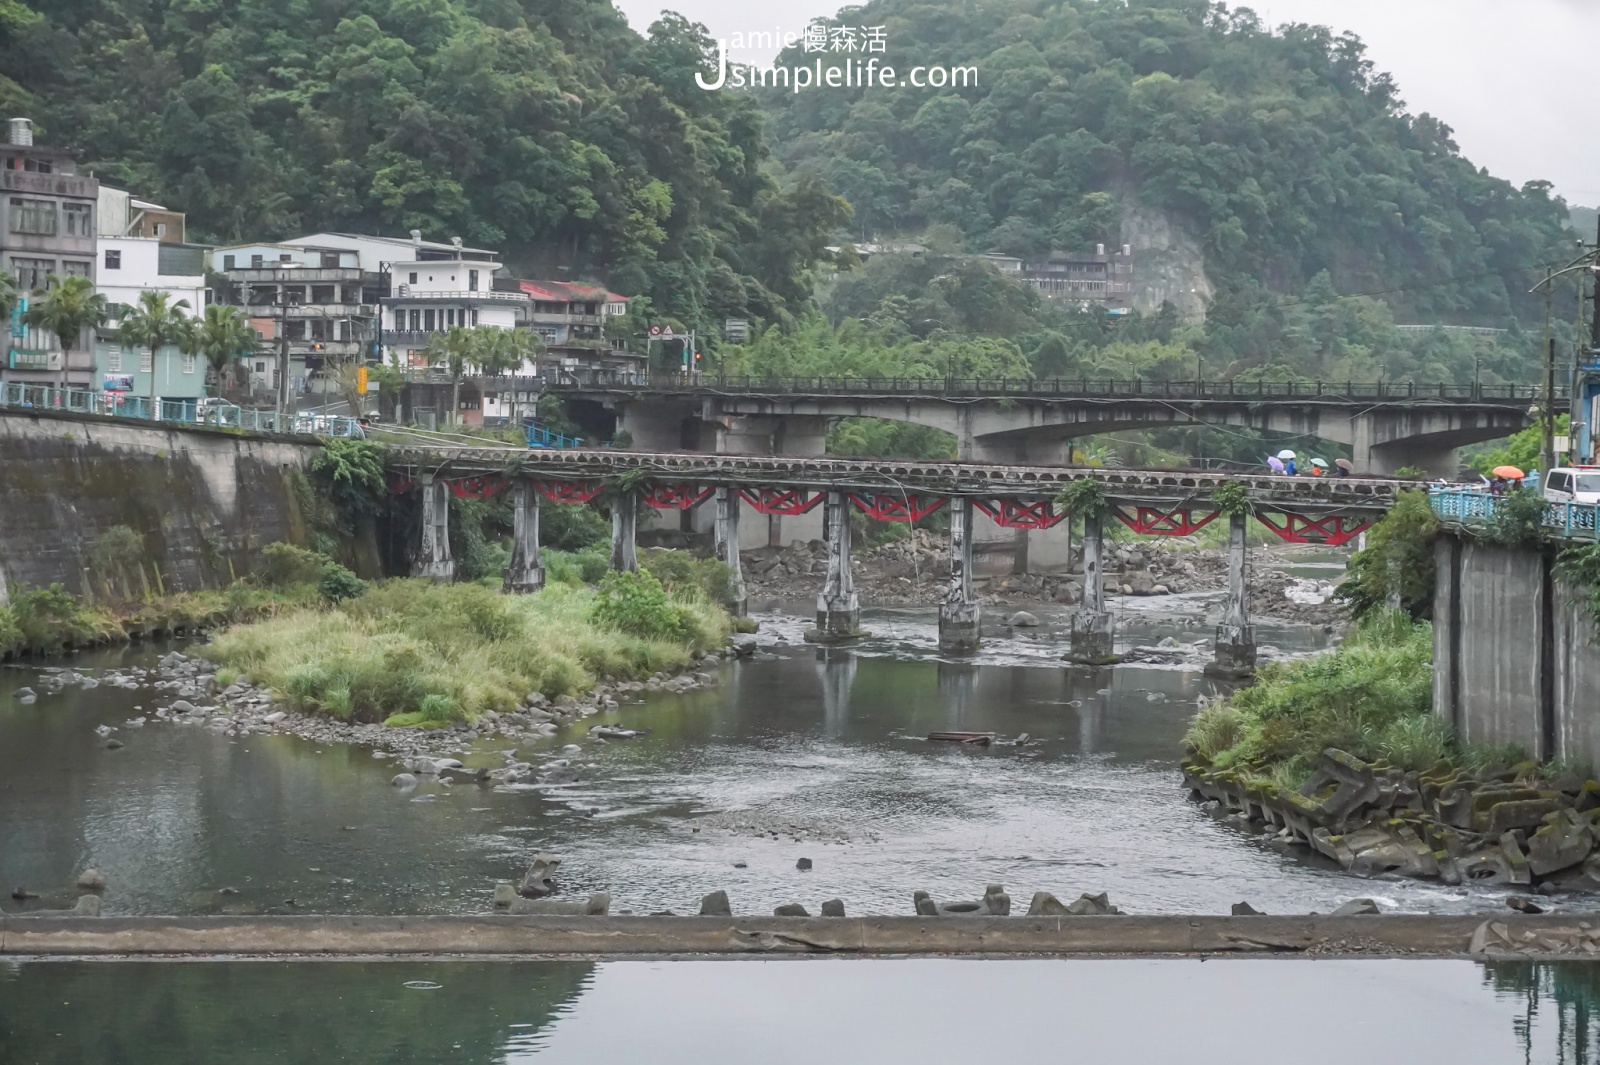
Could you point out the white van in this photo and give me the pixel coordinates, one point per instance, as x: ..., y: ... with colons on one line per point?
x: 1573, y: 484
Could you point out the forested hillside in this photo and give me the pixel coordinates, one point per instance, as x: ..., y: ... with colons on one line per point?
x: 545, y: 128
x: 1284, y: 154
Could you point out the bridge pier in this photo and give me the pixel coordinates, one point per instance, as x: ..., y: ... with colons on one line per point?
x: 624, y: 528
x: 433, y: 555
x: 838, y: 608
x: 999, y: 551
x: 727, y: 541
x: 958, y: 614
x: 1092, y: 626
x: 524, y: 573
x: 1234, y: 652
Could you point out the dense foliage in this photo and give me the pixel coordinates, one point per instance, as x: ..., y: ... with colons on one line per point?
x: 1284, y: 153
x: 1372, y: 697
x: 1397, y: 561
x: 546, y: 128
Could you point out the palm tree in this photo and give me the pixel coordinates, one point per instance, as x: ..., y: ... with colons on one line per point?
x: 69, y: 306
x: 455, y: 350
x: 506, y: 351
x: 222, y: 337
x: 9, y: 294
x: 154, y: 323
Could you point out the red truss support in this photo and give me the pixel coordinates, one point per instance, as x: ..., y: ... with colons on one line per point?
x: 1015, y: 514
x: 1150, y: 521
x: 1331, y: 531
x: 785, y: 502
x: 400, y: 485
x: 674, y: 496
x: 569, y: 491
x: 895, y: 506
x: 477, y: 487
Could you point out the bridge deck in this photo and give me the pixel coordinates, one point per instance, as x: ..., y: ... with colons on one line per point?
x: 959, y: 479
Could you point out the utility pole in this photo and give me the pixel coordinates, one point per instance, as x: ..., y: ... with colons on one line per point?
x: 1547, y: 411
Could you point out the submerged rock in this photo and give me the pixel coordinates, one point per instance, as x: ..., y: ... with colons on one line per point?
x: 91, y: 880
x: 833, y: 908
x: 1357, y: 908
x: 790, y: 909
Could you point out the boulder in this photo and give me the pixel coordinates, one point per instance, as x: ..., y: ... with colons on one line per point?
x: 462, y: 775
x: 88, y: 906
x: 1244, y: 909
x: 1562, y: 841
x: 1022, y: 620
x: 182, y: 706
x: 790, y: 909
x: 1087, y: 905
x: 24, y: 693
x: 539, y: 880
x: 996, y: 901
x: 505, y: 894
x: 715, y: 905
x: 1357, y: 908
x: 403, y: 780
x: 91, y: 880
x: 833, y: 908
x: 804, y: 865
x: 274, y: 717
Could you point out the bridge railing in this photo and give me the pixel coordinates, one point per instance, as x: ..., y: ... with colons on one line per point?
x: 22, y: 396
x: 1061, y: 386
x: 1476, y: 506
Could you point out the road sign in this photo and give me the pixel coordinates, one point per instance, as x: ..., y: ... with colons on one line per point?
x: 361, y: 379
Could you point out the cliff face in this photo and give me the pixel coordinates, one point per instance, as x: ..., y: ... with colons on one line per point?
x: 1168, y: 263
x: 202, y: 500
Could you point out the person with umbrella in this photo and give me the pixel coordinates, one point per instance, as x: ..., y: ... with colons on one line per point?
x: 1275, y: 464
x: 1318, y: 467
x: 1287, y: 457
x: 1343, y: 466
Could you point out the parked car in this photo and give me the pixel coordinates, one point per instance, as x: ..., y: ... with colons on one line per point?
x: 1573, y: 484
x: 213, y: 410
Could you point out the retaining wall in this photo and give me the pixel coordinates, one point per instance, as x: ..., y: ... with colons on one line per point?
x: 200, y: 497
x: 1515, y: 653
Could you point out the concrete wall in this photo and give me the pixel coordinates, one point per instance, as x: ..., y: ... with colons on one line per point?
x: 1515, y: 653
x: 200, y: 498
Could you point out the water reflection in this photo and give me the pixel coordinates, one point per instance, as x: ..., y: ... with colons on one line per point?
x: 785, y: 1011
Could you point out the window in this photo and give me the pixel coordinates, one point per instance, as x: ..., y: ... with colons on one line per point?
x: 416, y: 321
x: 427, y: 320
x: 161, y: 230
x: 450, y: 318
x: 295, y: 330
x: 113, y: 259
x: 413, y: 277
x: 147, y: 361
x: 188, y: 364
x: 256, y: 261
x: 472, y: 280
x: 71, y: 268
x: 79, y: 218
x: 474, y: 317
x: 285, y: 257
x: 227, y: 262
x: 114, y: 359
x: 261, y: 366
x: 33, y: 216
x: 319, y: 329
x: 32, y: 274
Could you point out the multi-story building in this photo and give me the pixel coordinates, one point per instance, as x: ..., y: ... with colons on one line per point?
x: 314, y: 305
x: 569, y: 318
x: 1099, y: 280
x: 47, y: 229
x: 129, y: 267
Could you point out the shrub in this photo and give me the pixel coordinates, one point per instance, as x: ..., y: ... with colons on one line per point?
x: 1398, y: 557
x: 681, y: 572
x: 1082, y: 498
x: 571, y: 526
x: 1517, y: 521
x: 637, y: 604
x: 284, y: 565
x: 350, y: 474
x: 51, y: 618
x: 339, y: 584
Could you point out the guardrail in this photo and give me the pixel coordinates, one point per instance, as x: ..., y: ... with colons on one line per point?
x: 1062, y: 387
x: 20, y: 396
x: 1477, y: 506
x: 539, y: 436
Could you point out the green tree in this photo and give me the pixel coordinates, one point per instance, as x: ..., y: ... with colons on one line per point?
x: 69, y: 306
x: 155, y: 322
x: 456, y: 350
x: 9, y: 294
x: 222, y: 337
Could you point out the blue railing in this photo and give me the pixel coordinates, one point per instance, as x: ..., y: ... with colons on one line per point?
x: 17, y: 395
x: 539, y: 436
x: 1474, y: 506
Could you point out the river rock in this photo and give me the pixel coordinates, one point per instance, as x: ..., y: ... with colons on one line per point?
x: 539, y: 880
x: 1357, y: 908
x: 274, y: 717
x: 462, y: 775
x: 833, y: 908
x: 112, y: 745
x: 790, y: 909
x: 403, y: 780
x: 715, y: 905
x: 182, y: 706
x: 1561, y: 842
x: 91, y: 880
x: 1244, y: 909
x: 804, y: 865
x: 88, y: 906
x: 505, y: 893
x: 441, y: 764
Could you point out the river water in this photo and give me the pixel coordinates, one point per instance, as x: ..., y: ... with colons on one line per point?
x: 799, y: 1011
x: 799, y: 753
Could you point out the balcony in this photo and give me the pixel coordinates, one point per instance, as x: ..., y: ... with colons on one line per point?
x: 295, y: 274
x: 413, y: 294
x: 69, y: 185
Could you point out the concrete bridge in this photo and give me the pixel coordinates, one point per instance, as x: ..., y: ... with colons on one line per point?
x: 1387, y: 426
x: 1170, y: 503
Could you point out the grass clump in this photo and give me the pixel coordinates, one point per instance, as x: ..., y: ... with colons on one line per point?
x: 1371, y: 697
x: 411, y: 652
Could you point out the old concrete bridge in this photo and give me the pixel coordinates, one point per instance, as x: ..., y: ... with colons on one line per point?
x: 1387, y: 426
x: 1174, y: 503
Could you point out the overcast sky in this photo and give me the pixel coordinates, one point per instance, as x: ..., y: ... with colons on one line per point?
x: 1517, y: 80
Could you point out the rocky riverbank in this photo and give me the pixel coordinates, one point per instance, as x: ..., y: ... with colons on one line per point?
x: 1514, y: 827
x: 915, y: 570
x: 185, y: 691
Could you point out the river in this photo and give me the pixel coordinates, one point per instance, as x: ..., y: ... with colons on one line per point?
x: 799, y: 1011
x: 800, y: 752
